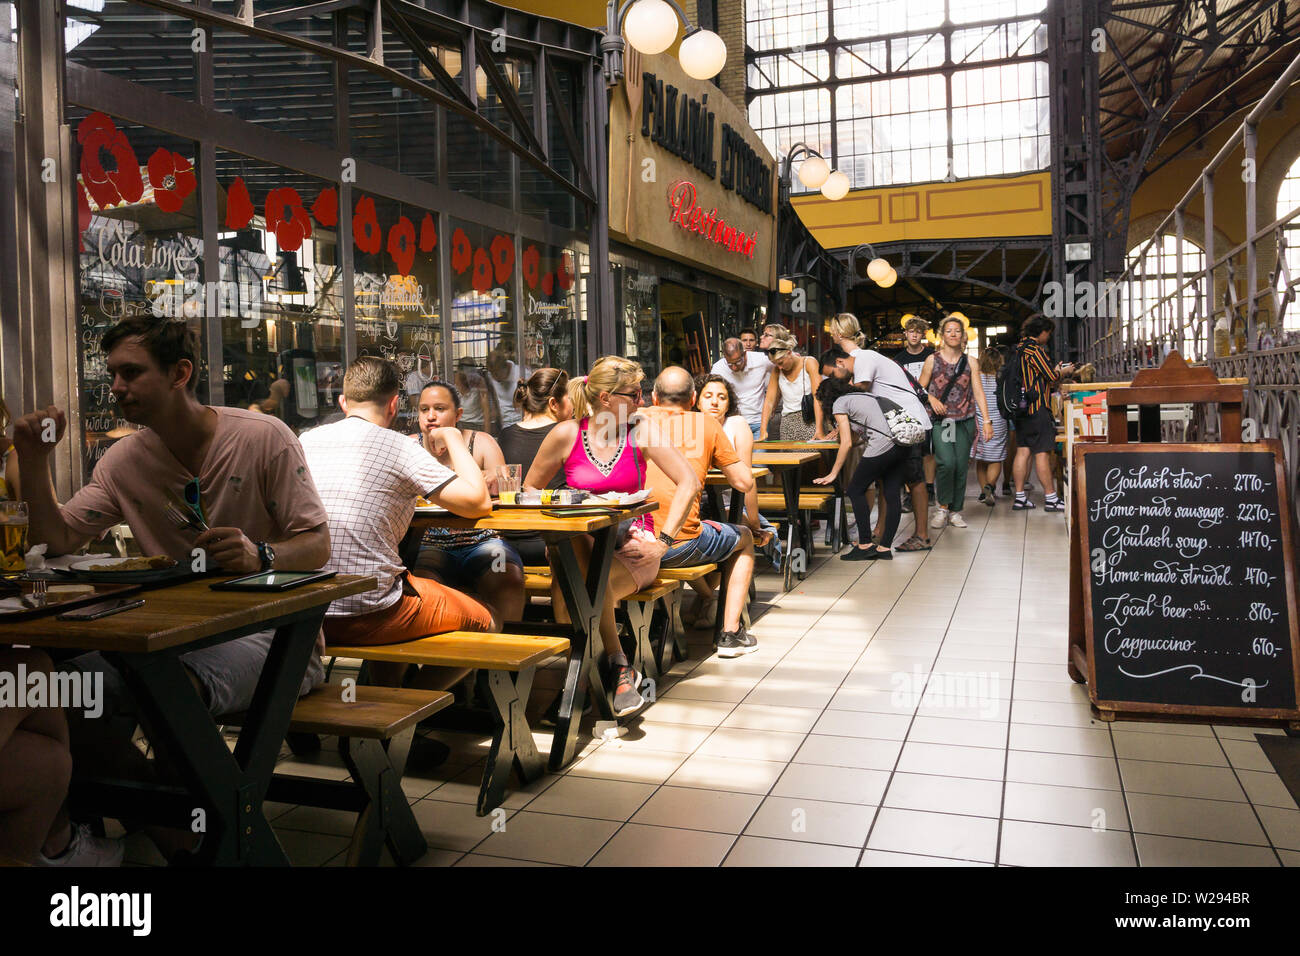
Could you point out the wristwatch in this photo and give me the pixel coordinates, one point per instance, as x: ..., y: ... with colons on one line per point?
x: 266, y: 555
x: 667, y: 539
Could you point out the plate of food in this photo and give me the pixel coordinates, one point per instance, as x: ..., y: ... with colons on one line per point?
x: 138, y: 570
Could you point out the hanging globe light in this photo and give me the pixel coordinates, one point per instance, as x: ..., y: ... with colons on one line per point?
x: 836, y: 185
x: 702, y: 54
x: 878, y: 269
x: 785, y: 286
x: 888, y: 280
x: 650, y: 26
x: 813, y: 172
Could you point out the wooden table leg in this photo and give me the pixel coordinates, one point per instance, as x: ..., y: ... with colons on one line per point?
x: 228, y: 788
x: 584, y: 599
x: 790, y: 486
x: 512, y: 739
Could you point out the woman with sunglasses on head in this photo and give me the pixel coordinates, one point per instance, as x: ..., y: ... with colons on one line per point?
x: 796, y: 378
x: 605, y: 449
x: 478, y: 562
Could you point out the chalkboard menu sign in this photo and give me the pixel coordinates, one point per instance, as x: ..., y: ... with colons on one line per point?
x: 1187, y: 588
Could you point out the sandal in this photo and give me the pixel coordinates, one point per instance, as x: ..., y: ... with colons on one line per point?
x: 914, y: 543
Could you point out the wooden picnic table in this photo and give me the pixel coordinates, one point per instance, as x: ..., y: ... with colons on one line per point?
x: 583, y: 596
x: 778, y: 445
x: 146, y: 644
x: 789, y: 464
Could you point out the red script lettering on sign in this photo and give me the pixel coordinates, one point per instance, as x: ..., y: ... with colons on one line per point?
x: 692, y: 217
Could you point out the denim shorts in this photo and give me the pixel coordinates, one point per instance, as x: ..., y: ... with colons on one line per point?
x: 463, y: 568
x: 714, y: 544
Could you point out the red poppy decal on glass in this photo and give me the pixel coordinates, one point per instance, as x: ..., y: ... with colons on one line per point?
x: 365, y: 226
x: 326, y: 207
x: 462, y: 253
x: 482, y: 271
x: 531, y: 258
x: 286, y: 217
x: 401, y: 245
x: 548, y: 284
x: 83, y: 217
x: 428, y: 234
x: 108, y: 187
x: 172, y: 179
x: 239, y: 205
x: 564, y: 274
x: 503, y: 258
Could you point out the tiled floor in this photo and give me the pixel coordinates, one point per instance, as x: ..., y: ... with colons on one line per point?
x: 911, y: 713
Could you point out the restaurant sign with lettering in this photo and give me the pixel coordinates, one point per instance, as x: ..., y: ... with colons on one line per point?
x: 689, y: 179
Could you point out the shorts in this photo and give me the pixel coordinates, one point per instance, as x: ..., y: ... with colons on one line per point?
x: 228, y: 674
x: 425, y: 607
x: 1037, y: 432
x: 712, y: 545
x: 914, y: 463
x: 462, y: 568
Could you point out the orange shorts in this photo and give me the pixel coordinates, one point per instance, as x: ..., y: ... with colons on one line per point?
x: 433, y: 609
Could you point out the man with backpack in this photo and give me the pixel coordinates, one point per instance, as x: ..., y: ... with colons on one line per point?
x: 1024, y: 393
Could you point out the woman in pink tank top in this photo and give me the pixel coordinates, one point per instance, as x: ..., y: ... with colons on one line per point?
x: 605, y: 448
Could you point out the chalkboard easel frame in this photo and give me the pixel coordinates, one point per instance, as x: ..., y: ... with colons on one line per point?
x: 1082, y: 659
x: 1174, y: 382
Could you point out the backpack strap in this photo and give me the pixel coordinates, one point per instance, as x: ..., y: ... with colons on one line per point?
x: 961, y: 370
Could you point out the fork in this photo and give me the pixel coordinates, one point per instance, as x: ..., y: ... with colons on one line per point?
x: 180, y: 514
x: 37, y: 598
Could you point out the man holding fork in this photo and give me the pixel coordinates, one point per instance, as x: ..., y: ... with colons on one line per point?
x: 258, y: 502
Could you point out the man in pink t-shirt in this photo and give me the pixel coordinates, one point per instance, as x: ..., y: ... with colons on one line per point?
x: 258, y: 497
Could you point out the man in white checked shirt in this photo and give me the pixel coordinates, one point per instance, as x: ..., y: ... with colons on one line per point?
x: 368, y: 477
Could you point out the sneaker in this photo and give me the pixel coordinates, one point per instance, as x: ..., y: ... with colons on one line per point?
x: 988, y: 497
x: 627, y: 698
x: 86, y: 849
x: 857, y: 554
x: 940, y: 518
x: 1022, y: 504
x: 907, y: 503
x: 732, y: 644
x: 880, y: 554
x: 1055, y: 505
x: 956, y: 520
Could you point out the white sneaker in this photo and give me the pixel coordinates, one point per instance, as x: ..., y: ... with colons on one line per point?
x: 956, y: 520
x: 940, y: 518
x: 86, y: 849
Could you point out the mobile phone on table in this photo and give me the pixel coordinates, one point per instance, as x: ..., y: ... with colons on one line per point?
x: 272, y: 580
x: 93, y: 612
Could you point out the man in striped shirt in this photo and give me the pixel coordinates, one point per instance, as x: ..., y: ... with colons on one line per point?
x: 1036, y: 429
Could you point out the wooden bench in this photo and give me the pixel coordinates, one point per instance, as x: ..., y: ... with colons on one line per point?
x: 375, y: 726
x: 638, y: 612
x: 506, y: 664
x: 676, y: 649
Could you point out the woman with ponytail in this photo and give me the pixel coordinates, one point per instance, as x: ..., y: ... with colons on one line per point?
x: 544, y: 400
x: 605, y: 448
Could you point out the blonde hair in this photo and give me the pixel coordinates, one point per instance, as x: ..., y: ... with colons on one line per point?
x: 785, y: 341
x: 845, y: 326
x: 612, y: 373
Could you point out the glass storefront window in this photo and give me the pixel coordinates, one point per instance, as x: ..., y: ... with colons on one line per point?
x: 554, y: 332
x: 140, y: 251
x: 279, y: 298
x: 275, y: 85
x: 395, y: 294
x: 483, y: 341
x: 639, y: 327
x: 132, y: 43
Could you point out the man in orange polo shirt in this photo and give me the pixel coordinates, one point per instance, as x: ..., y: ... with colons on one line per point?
x: 703, y: 443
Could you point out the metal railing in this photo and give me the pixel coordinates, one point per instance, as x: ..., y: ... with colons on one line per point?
x: 1146, y: 313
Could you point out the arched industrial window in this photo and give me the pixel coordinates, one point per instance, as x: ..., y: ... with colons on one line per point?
x: 1288, y: 198
x: 1149, y: 300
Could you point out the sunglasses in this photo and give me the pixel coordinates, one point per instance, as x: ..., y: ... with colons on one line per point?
x: 635, y: 396
x: 773, y: 353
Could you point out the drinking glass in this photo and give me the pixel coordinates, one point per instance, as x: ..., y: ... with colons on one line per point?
x: 13, y: 522
x: 510, y: 481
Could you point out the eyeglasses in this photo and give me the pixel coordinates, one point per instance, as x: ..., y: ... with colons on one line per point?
x: 635, y: 396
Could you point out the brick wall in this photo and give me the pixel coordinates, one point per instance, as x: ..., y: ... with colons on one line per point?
x: 731, y: 27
